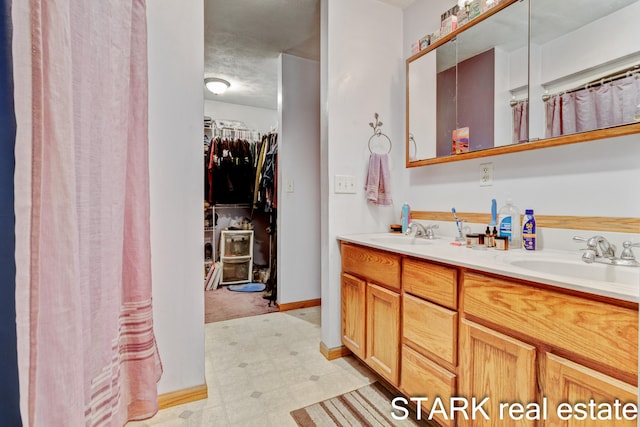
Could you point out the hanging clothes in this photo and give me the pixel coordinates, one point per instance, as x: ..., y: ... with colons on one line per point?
x: 260, y: 162
x: 231, y: 172
x: 266, y: 198
x: 207, y: 159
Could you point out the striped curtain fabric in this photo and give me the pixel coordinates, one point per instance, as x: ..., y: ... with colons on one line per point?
x: 87, y: 350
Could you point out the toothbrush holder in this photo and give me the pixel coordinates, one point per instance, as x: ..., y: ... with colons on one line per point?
x: 461, y: 235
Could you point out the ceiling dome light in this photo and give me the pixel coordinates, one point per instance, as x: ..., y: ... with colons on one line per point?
x: 216, y: 86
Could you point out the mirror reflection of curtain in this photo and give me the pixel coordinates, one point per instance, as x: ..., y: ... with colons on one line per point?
x: 610, y: 104
x: 520, y: 129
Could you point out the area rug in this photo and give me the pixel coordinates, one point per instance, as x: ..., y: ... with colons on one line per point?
x: 369, y: 406
x: 247, y: 287
x: 222, y: 304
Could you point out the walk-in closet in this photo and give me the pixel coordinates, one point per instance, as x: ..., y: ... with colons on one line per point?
x: 240, y: 219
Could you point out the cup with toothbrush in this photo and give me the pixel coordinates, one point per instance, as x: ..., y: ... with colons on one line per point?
x: 459, y: 226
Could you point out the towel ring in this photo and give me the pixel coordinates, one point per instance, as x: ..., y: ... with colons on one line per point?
x: 378, y: 134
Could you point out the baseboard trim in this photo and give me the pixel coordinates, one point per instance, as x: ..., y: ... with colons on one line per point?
x: 333, y: 353
x: 186, y: 395
x: 299, y: 304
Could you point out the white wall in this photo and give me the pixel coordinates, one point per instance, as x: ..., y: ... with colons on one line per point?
x: 176, y: 46
x: 364, y: 75
x: 260, y: 119
x: 298, y: 165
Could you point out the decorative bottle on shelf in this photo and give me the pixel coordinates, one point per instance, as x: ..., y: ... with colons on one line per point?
x: 509, y: 224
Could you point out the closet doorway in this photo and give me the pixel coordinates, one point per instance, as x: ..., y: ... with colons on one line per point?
x: 244, y: 41
x: 240, y: 220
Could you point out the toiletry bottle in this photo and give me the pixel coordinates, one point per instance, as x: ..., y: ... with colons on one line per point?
x: 406, y: 217
x: 529, y: 231
x: 509, y: 224
x: 487, y: 237
x: 494, y: 234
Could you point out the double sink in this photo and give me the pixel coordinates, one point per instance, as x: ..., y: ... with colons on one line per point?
x: 547, y: 266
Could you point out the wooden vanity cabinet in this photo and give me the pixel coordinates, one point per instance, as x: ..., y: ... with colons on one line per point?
x: 371, y: 308
x: 434, y: 330
x: 517, y: 334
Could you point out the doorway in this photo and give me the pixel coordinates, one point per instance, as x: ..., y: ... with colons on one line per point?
x: 254, y: 47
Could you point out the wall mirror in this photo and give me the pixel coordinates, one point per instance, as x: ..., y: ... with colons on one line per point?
x: 513, y: 91
x: 427, y: 97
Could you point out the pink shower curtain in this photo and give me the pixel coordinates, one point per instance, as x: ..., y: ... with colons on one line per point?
x: 90, y: 356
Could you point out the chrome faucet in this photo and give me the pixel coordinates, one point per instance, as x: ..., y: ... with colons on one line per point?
x: 601, y: 251
x: 421, y: 230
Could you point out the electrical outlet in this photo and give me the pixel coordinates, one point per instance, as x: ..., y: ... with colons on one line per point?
x: 486, y: 174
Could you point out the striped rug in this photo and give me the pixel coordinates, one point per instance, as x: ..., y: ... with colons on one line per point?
x: 368, y: 406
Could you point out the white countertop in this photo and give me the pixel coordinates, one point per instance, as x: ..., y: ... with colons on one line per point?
x: 563, y: 269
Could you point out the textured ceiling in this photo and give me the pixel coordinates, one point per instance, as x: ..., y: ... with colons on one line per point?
x: 243, y: 39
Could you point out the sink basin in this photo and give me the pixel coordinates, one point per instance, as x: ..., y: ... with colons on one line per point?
x: 401, y: 239
x: 581, y: 270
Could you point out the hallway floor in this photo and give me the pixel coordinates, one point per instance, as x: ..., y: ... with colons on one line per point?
x: 260, y: 368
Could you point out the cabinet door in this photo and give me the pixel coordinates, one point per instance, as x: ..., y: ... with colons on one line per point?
x: 567, y: 381
x: 496, y: 366
x: 353, y: 299
x: 383, y: 332
x: 420, y: 377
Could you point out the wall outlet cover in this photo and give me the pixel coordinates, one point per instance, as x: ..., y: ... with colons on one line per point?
x: 486, y: 174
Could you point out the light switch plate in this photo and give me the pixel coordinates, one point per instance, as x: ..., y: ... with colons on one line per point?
x: 288, y: 187
x: 345, y: 184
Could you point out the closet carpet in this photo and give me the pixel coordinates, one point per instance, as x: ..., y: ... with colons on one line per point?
x: 222, y: 304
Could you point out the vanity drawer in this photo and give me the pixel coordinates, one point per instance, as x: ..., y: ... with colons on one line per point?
x: 420, y: 377
x: 433, y: 282
x: 377, y: 266
x: 430, y: 328
x: 604, y: 333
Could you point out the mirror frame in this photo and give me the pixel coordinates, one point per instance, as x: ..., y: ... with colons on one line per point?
x: 612, y: 132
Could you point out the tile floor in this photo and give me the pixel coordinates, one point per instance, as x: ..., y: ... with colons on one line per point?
x: 260, y: 368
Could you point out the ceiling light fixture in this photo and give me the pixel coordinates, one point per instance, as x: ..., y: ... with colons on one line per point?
x: 216, y: 86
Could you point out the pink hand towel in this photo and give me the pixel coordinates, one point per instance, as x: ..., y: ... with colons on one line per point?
x: 378, y: 184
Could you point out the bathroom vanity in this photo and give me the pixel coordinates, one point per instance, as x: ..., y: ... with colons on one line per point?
x: 436, y: 320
